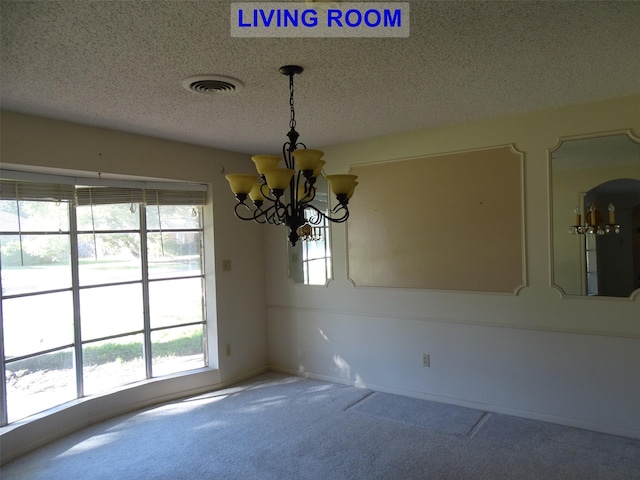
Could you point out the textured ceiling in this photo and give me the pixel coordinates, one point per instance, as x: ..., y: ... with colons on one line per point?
x: 119, y: 64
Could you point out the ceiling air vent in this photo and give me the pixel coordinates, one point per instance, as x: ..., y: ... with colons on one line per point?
x: 212, y: 84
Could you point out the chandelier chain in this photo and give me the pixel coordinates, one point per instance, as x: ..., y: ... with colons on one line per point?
x: 292, y: 122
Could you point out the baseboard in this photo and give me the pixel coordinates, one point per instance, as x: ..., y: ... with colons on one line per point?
x: 566, y: 421
x: 241, y: 378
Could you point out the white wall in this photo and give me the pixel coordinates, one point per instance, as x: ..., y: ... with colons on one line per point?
x: 235, y: 299
x: 571, y: 360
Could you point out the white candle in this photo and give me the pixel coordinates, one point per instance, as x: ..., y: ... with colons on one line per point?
x: 612, y: 215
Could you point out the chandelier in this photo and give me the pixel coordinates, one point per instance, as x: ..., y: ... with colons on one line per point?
x: 283, y: 196
x: 594, y: 224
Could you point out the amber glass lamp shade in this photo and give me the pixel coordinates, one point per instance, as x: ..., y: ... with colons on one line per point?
x: 307, y: 159
x: 342, y: 184
x: 265, y: 162
x: 241, y: 183
x: 256, y: 193
x: 278, y: 178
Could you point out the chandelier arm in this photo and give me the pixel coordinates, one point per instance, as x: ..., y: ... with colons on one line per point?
x: 287, y: 148
x: 307, y: 197
x: 258, y: 215
x: 274, y: 220
x: 281, y: 212
x: 266, y: 195
x: 271, y: 215
x: 342, y: 219
x: 295, y: 192
x: 312, y: 192
x: 309, y: 191
x: 343, y: 210
x: 316, y: 217
x: 254, y: 214
x: 276, y: 214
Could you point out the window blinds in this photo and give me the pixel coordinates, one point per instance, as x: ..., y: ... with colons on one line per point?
x: 82, y: 191
x: 17, y: 190
x: 148, y: 196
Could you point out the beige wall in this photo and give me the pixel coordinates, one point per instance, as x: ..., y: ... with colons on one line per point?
x: 538, y: 354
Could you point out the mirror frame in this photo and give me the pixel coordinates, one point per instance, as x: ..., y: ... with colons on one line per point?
x: 630, y: 134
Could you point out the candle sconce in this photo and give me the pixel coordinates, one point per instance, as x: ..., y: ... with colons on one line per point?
x: 594, y: 224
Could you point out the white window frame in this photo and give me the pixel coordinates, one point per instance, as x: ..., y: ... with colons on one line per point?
x: 174, y: 190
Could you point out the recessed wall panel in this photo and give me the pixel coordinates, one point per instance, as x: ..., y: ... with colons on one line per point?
x: 446, y: 222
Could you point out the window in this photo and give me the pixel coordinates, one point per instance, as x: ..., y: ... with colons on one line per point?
x: 102, y: 286
x: 591, y: 264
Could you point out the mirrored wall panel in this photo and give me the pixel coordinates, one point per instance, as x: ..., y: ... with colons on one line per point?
x: 595, y: 189
x: 310, y: 258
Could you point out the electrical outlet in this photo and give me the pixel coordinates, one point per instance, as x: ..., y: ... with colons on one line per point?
x: 426, y: 360
x: 226, y: 265
x: 227, y: 349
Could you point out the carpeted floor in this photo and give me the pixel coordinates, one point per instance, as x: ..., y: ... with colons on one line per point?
x: 282, y: 427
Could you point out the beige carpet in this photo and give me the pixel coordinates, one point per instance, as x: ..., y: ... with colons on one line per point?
x: 282, y: 427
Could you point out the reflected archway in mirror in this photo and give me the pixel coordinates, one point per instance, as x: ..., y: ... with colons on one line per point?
x: 595, y: 199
